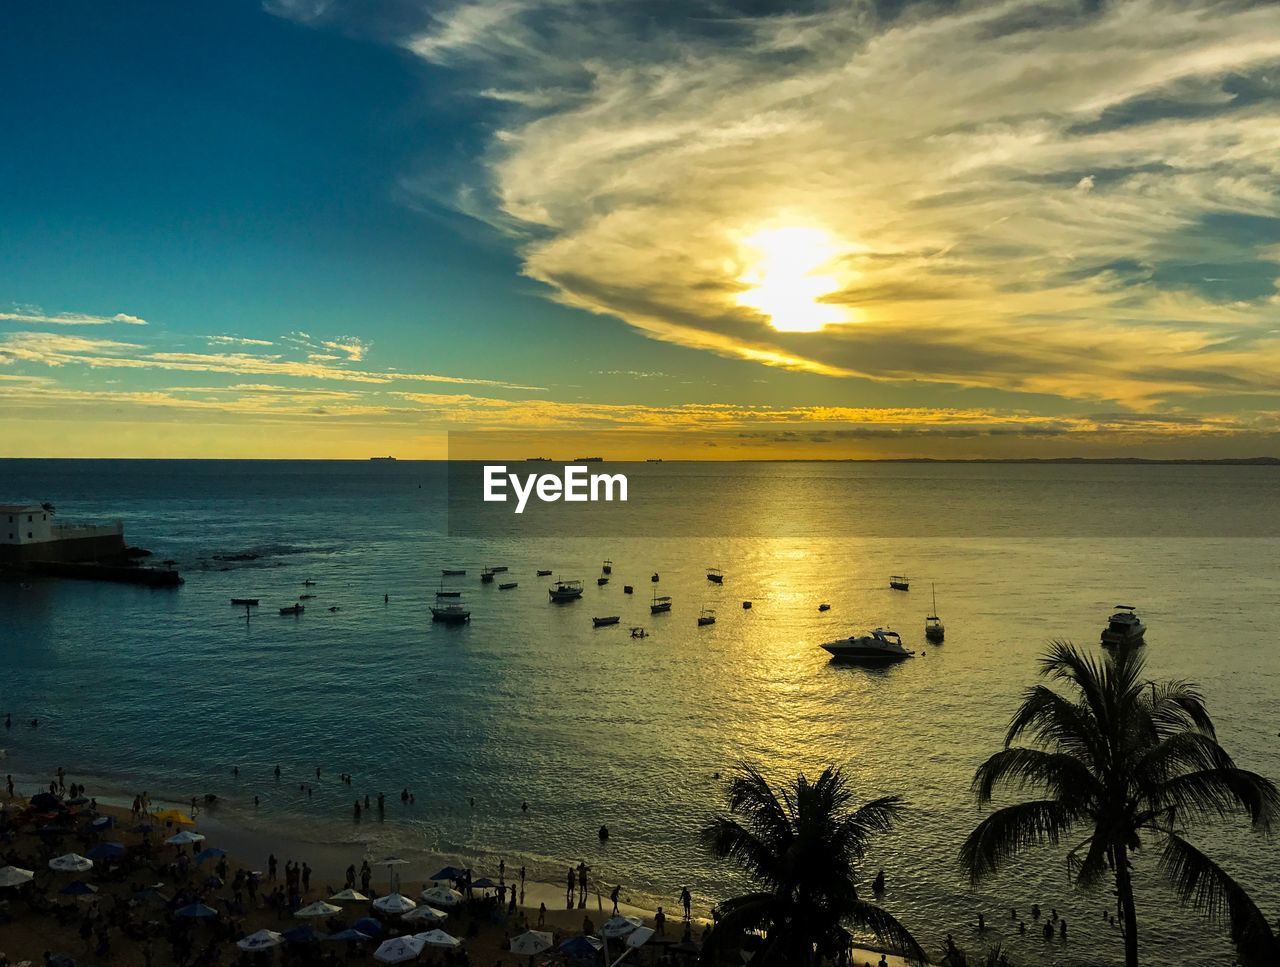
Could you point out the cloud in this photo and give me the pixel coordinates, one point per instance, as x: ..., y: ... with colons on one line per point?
x: 349, y: 347
x: 978, y: 173
x: 32, y: 315
x: 236, y: 341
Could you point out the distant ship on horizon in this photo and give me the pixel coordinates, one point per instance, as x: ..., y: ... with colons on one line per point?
x: 382, y: 458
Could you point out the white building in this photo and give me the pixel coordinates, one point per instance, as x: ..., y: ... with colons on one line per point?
x: 25, y: 524
x: 28, y: 532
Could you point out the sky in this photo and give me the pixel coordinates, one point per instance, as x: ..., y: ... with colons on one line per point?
x: 329, y: 228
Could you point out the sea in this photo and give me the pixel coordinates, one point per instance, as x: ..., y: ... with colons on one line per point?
x: 524, y: 731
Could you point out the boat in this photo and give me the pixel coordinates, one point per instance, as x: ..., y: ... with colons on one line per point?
x: 654, y: 460
x: 612, y: 619
x: 543, y: 574
x: 448, y: 594
x: 746, y: 605
x: 933, y: 627
x: 879, y: 647
x: 565, y: 590
x: 293, y: 609
x: 382, y: 459
x: 715, y: 575
x: 450, y: 614
x: 244, y: 601
x: 628, y: 589
x: 1124, y: 627
x: 453, y: 572
x: 639, y: 633
x: 500, y: 570
x: 508, y: 585
x: 607, y: 567
x: 308, y: 583
x: 660, y: 603
x: 654, y: 577
x: 899, y: 582
x: 824, y: 606
x: 486, y: 576
x: 305, y: 597
x: 707, y: 617
x: 601, y: 581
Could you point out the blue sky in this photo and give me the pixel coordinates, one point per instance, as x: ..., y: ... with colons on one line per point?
x: 973, y: 230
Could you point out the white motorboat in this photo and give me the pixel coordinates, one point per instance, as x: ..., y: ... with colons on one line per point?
x: 1124, y: 627
x: 874, y: 648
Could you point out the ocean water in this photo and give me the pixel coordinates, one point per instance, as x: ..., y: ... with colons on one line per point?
x: 530, y: 704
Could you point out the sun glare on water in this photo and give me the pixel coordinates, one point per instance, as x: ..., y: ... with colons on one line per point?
x: 788, y: 273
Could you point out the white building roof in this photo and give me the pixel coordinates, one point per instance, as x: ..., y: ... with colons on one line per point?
x: 21, y: 509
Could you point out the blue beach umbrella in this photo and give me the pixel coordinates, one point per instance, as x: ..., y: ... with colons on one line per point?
x: 197, y: 911
x: 106, y: 851
x: 79, y: 888
x: 300, y: 935
x: 580, y: 947
x: 368, y: 925
x: 449, y: 873
x: 208, y: 854
x: 348, y: 936
x: 484, y: 883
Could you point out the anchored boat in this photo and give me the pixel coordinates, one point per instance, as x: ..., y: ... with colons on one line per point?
x: 879, y: 647
x: 1124, y: 627
x: 565, y: 590
x: 933, y: 628
x: 715, y: 575
x: 899, y: 582
x: 612, y: 619
x: 707, y: 617
x: 660, y: 603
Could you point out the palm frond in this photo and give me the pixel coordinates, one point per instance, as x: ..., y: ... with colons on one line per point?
x: 1008, y: 831
x: 1215, y: 793
x: 887, y: 930
x: 1064, y: 776
x: 735, y: 918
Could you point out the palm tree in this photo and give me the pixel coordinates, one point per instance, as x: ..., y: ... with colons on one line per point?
x: 1124, y: 760
x: 802, y: 845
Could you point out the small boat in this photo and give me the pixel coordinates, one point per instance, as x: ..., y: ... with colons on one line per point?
x: 453, y: 572
x: 565, y: 590
x: 607, y: 567
x: 899, y: 582
x: 639, y: 633
x: 715, y: 575
x: 746, y: 605
x: 508, y: 585
x: 305, y: 597
x: 654, y: 577
x: 628, y: 589
x: 486, y: 576
x: 543, y: 574
x: 708, y: 617
x: 824, y: 606
x: 601, y: 581
x: 448, y: 594
x: 308, y: 583
x: 933, y: 627
x: 660, y: 604
x: 612, y: 619
x: 500, y: 570
x: 1124, y: 627
x: 244, y: 601
x: 293, y: 609
x: 335, y: 608
x: 879, y: 647
x: 450, y: 614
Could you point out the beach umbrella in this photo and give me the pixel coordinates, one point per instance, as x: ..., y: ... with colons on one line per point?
x: 209, y: 853
x: 392, y: 861
x: 318, y: 909
x: 79, y: 888
x: 449, y: 873
x: 151, y: 897
x: 425, y: 914
x: 484, y: 883
x: 532, y: 942
x: 393, y: 903
x: 71, y: 863
x: 441, y: 896
x: 185, y: 838
x: 106, y: 851
x: 196, y: 911
x: 348, y: 936
x: 581, y: 947
x: 300, y: 935
x: 348, y: 896
x: 616, y: 927
x: 438, y: 938
x: 103, y: 822
x: 639, y: 937
x: 368, y: 925
x: 262, y: 940
x: 46, y: 801
x: 14, y: 876
x: 175, y: 816
x: 398, y: 949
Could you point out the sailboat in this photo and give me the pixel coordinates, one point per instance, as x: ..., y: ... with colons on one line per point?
x: 660, y: 603
x: 707, y: 617
x: 933, y: 627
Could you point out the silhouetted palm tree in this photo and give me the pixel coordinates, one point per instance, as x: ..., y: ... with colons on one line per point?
x: 1126, y: 760
x: 802, y: 845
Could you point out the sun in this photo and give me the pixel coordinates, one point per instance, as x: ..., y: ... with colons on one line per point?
x: 788, y: 273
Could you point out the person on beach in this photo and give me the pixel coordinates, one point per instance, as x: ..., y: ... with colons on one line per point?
x: 8, y: 786
x: 1062, y: 929
x: 542, y: 915
x: 502, y: 871
x: 660, y: 923
x: 522, y: 884
x: 382, y: 803
x: 568, y: 890
x: 351, y: 876
x: 366, y: 876
x: 613, y: 895
x: 686, y: 901
x: 306, y: 878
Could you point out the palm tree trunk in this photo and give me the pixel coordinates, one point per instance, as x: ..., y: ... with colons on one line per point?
x: 1124, y: 892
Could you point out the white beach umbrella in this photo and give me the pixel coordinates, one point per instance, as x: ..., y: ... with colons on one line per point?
x: 262, y: 940
x: 15, y: 876
x: 616, y: 927
x: 318, y: 909
x: 71, y: 863
x: 639, y: 937
x: 185, y: 838
x: 348, y: 896
x: 438, y: 938
x: 393, y: 903
x: 398, y: 949
x: 532, y: 942
x: 425, y: 914
x: 441, y: 896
